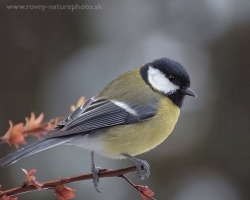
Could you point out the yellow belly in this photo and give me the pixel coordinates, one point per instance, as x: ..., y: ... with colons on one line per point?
x: 138, y: 138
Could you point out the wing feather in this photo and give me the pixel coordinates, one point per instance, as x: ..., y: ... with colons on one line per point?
x: 101, y: 113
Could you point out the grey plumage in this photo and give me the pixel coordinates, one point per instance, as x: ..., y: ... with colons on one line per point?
x: 100, y: 113
x: 31, y: 149
x: 94, y: 114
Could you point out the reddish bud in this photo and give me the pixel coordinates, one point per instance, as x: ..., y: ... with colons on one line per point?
x: 34, y: 123
x: 30, y: 179
x: 14, y: 135
x: 63, y: 192
x: 146, y: 192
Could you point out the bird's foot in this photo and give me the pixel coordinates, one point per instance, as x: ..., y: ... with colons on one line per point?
x: 142, y: 166
x: 95, y: 170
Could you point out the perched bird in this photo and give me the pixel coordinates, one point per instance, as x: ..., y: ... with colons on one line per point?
x: 133, y: 114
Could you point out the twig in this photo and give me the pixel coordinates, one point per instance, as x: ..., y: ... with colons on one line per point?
x: 137, y: 187
x: 43, y: 125
x: 51, y: 184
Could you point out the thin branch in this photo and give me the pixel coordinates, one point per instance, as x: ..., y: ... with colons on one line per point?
x: 40, y: 127
x: 51, y: 184
x: 43, y: 125
x: 137, y: 187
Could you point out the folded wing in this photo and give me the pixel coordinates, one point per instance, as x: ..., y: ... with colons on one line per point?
x: 101, y: 113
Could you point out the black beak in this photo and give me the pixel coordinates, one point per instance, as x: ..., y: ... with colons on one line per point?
x: 189, y: 92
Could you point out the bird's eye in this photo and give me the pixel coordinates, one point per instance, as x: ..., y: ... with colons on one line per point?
x: 170, y: 78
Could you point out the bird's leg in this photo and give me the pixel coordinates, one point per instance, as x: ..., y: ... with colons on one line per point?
x: 141, y: 174
x: 95, y: 170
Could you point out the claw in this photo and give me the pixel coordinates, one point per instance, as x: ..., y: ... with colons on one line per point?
x: 141, y: 174
x: 95, y: 171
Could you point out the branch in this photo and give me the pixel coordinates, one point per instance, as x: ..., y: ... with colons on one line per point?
x: 43, y: 125
x: 17, y: 133
x: 51, y: 184
x: 34, y: 126
x: 140, y: 188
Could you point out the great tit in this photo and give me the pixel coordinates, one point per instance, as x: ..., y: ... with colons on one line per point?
x: 133, y: 114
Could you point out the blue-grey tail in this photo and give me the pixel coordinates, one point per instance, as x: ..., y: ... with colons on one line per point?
x: 31, y: 149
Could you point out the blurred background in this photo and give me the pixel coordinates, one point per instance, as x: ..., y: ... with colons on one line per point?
x: 48, y: 59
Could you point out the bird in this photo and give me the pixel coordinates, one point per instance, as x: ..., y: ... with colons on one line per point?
x: 133, y: 114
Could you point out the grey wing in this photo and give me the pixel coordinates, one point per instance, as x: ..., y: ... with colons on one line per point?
x: 101, y: 113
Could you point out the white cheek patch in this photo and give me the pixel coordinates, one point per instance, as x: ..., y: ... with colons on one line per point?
x: 159, y: 81
x: 125, y: 107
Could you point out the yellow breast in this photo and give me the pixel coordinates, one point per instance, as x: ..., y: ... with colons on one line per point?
x: 138, y: 138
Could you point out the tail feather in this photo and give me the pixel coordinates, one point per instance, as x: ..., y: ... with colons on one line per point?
x: 31, y: 149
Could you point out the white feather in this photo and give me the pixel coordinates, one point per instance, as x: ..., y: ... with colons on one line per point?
x: 160, y: 82
x: 125, y: 107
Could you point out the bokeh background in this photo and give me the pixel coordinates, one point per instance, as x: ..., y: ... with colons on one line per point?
x: 48, y: 59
